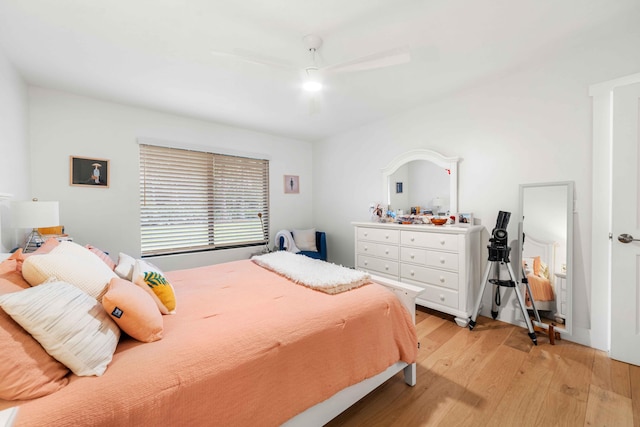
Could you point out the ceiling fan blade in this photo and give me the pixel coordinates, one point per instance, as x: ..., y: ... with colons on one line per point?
x: 387, y: 58
x: 255, y: 58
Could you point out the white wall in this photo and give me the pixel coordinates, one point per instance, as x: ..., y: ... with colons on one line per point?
x: 63, y: 124
x: 529, y: 125
x: 14, y: 161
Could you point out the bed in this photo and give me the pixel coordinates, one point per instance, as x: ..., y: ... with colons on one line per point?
x: 538, y: 259
x: 245, y: 345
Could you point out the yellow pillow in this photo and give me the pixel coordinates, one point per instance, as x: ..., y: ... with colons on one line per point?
x: 151, y: 279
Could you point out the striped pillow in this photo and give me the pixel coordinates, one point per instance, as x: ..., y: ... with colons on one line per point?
x: 69, y: 324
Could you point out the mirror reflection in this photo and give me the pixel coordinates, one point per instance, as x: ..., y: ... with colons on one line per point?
x: 420, y: 183
x: 545, y: 234
x: 421, y: 178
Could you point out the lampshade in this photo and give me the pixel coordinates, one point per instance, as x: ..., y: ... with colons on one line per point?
x: 35, y: 214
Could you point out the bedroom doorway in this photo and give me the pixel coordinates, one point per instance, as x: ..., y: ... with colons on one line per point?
x: 625, y: 222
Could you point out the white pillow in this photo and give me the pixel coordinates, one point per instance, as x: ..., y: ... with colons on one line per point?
x: 71, y: 263
x: 305, y: 239
x: 124, y: 269
x: 527, y: 265
x: 69, y: 324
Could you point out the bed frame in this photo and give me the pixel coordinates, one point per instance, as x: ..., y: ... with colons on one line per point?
x: 324, y: 412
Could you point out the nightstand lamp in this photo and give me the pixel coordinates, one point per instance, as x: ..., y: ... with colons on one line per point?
x: 34, y: 215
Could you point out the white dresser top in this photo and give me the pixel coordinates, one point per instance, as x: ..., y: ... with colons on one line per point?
x: 447, y: 229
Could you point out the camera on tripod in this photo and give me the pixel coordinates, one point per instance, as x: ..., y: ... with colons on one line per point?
x: 498, y: 243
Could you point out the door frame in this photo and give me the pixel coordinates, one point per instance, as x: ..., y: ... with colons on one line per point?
x: 601, y: 230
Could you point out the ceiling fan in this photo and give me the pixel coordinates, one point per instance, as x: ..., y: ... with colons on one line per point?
x: 313, y: 72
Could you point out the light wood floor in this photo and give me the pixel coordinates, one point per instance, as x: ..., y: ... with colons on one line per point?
x: 495, y: 376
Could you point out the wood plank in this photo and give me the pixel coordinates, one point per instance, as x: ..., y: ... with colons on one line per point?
x: 606, y: 408
x: 634, y: 380
x: 611, y: 375
x: 527, y: 391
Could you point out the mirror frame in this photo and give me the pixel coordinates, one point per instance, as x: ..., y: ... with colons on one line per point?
x: 568, y: 326
x: 450, y: 163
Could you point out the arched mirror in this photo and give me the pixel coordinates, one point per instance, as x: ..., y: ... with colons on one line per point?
x: 545, y: 232
x: 421, y: 178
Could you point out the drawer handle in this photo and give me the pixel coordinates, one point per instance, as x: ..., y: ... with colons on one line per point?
x: 366, y: 248
x: 412, y: 256
x: 413, y: 273
x: 386, y: 267
x: 386, y: 251
x: 441, y: 297
x: 442, y: 261
x: 441, y: 279
x: 413, y: 239
x: 386, y: 236
x: 442, y: 242
x: 366, y: 234
x: 366, y: 262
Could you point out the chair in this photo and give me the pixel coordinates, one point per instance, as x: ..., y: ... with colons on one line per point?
x: 321, y: 244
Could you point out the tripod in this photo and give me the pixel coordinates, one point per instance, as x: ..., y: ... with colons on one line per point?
x: 499, y: 255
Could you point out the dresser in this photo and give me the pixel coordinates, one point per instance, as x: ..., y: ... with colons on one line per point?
x: 442, y: 260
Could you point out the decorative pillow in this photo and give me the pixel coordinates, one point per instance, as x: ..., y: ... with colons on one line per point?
x: 27, y: 371
x: 45, y: 248
x: 544, y: 270
x: 71, y: 263
x: 70, y: 325
x: 103, y: 256
x: 151, y: 279
x: 305, y: 239
x: 133, y: 310
x: 527, y: 265
x: 536, y: 265
x: 124, y: 269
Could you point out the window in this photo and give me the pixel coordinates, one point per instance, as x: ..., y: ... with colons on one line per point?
x: 193, y: 201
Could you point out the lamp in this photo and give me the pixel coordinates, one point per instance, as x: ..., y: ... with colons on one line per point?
x: 312, y: 82
x: 437, y: 203
x: 34, y: 215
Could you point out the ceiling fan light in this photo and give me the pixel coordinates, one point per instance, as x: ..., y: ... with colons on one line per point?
x: 312, y: 86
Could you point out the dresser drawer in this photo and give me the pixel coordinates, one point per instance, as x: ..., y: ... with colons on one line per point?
x: 378, y: 249
x: 432, y: 276
x: 429, y: 240
x: 373, y: 264
x: 379, y: 235
x: 414, y: 255
x: 441, y: 296
x: 446, y: 260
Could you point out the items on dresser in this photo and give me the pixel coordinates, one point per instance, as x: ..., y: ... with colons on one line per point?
x: 444, y: 261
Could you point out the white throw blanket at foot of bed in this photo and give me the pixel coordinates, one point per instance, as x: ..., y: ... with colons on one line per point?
x: 319, y: 275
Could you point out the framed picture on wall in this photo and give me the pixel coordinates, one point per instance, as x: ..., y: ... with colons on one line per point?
x: 291, y: 184
x: 88, y: 172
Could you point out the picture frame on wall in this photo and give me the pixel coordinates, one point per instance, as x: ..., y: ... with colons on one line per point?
x: 88, y: 172
x: 465, y: 218
x: 291, y: 184
x: 399, y: 187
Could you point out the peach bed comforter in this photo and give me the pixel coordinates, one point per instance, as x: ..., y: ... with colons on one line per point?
x: 246, y: 347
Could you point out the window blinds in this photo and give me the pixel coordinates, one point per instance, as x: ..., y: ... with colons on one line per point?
x: 192, y: 200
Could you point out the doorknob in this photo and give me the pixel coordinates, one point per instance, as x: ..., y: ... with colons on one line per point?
x: 627, y: 238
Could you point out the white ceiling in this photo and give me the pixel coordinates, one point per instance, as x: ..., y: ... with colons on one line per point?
x: 158, y: 53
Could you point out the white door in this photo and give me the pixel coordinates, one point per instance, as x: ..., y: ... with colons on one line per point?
x: 625, y: 262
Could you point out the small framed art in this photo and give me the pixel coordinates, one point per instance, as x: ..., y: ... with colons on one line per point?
x: 398, y: 187
x: 88, y: 172
x: 291, y: 184
x: 465, y: 218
